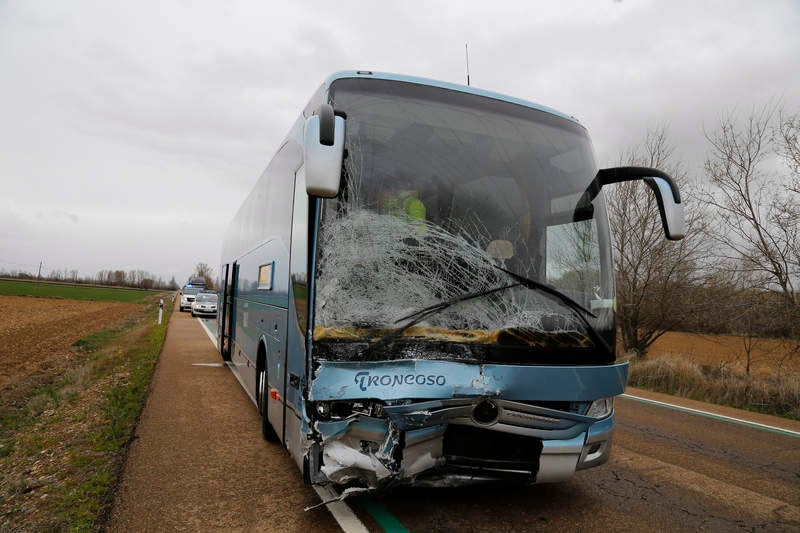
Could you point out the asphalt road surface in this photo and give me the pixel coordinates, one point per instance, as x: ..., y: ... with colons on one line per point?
x: 669, y: 471
x: 199, y: 464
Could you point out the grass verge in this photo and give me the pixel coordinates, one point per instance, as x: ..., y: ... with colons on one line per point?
x: 780, y: 397
x: 63, y: 448
x: 72, y: 292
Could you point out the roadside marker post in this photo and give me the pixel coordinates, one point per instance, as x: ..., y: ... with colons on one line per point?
x: 160, y: 309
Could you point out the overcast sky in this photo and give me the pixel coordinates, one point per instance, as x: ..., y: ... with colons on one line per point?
x: 130, y: 132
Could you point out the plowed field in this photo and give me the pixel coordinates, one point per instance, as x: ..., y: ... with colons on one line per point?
x: 36, y: 337
x: 768, y: 356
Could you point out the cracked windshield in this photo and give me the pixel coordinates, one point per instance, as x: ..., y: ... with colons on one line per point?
x: 453, y: 207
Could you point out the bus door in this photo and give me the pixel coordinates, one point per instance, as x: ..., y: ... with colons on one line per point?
x: 298, y: 317
x: 223, y: 291
x: 227, y: 313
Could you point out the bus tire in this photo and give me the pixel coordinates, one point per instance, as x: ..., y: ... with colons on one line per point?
x: 267, y: 431
x: 225, y: 354
x: 306, y: 471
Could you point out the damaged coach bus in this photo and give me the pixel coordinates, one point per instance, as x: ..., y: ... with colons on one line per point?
x: 419, y: 288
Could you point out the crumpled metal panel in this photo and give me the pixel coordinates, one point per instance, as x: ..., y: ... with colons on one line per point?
x: 358, y: 448
x: 406, y: 445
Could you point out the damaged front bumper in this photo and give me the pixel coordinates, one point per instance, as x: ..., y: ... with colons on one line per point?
x: 376, y: 424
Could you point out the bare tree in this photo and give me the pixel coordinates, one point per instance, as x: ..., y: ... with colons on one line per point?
x: 118, y: 277
x: 787, y: 141
x: 758, y: 219
x: 757, y: 230
x: 654, y: 276
x: 202, y: 270
x: 756, y: 317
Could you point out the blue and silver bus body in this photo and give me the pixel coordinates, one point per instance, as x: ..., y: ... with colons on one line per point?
x: 409, y: 440
x: 418, y: 420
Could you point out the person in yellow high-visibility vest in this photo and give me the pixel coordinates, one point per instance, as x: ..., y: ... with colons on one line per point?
x: 405, y: 203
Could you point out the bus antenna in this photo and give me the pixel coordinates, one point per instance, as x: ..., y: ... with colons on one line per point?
x: 466, y: 48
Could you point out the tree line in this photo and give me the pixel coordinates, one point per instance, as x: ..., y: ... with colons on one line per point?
x: 139, y: 279
x: 737, y: 271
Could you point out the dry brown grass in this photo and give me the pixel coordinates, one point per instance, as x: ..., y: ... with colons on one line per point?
x: 713, y: 368
x: 769, y: 357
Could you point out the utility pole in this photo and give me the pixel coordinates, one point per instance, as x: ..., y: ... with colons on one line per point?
x: 39, y: 276
x: 466, y: 48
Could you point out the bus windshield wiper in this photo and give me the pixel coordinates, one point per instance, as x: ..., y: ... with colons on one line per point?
x: 520, y: 281
x: 544, y: 287
x: 569, y: 302
x: 418, y: 316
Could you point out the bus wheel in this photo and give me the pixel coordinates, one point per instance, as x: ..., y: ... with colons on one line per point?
x: 267, y: 431
x: 225, y: 353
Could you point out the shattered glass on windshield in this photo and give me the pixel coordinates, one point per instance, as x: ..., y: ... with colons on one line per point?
x: 378, y: 268
x: 437, y: 199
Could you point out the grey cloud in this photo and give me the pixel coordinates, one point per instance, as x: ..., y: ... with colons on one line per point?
x: 129, y: 118
x: 68, y: 216
x: 11, y: 224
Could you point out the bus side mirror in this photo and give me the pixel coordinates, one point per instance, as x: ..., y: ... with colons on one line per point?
x: 323, y: 152
x: 664, y: 187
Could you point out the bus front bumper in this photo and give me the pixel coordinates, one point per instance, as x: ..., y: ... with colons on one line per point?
x: 489, y: 422
x: 445, y: 448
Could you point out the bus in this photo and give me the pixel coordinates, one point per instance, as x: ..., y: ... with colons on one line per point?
x: 419, y: 289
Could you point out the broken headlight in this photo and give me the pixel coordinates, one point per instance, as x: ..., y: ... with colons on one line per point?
x: 339, y: 410
x: 601, y: 408
x: 323, y: 410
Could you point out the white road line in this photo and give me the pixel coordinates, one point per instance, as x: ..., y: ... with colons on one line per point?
x: 343, y: 515
x: 208, y: 332
x: 716, y: 416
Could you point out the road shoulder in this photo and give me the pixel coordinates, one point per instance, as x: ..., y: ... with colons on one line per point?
x: 198, y: 461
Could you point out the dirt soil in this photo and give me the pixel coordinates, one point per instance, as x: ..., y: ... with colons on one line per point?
x: 36, y: 337
x: 767, y: 355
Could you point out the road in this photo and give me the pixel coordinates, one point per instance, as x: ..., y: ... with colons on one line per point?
x: 199, y: 463
x: 670, y: 471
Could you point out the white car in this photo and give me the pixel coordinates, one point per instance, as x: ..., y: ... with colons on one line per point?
x: 205, y: 304
x: 187, y: 298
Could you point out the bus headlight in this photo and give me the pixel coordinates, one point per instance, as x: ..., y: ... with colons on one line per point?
x: 342, y: 409
x: 601, y: 408
x: 323, y: 410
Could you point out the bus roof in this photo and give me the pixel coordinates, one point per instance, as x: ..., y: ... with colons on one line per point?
x: 444, y: 85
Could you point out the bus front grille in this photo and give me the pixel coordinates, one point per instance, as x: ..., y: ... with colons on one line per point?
x: 484, y: 449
